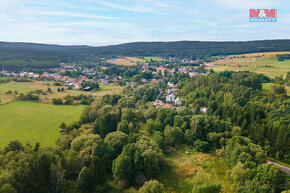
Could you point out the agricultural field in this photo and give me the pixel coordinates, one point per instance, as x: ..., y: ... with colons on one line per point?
x: 261, y: 54
x: 31, y: 122
x: 158, y: 59
x: 126, y: 61
x: 182, y: 172
x: 23, y: 87
x: 266, y: 64
x: 267, y: 88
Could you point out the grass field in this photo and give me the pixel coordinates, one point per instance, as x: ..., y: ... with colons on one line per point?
x: 126, y: 61
x: 262, y: 54
x: 267, y: 88
x: 182, y: 172
x: 267, y: 64
x: 15, y: 87
x: 34, y: 122
x: 23, y: 87
x: 154, y: 59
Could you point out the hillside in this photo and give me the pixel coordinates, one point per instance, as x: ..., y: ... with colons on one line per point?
x: 261, y: 63
x: 30, y: 55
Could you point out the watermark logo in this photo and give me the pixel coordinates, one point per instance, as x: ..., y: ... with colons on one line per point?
x: 263, y: 15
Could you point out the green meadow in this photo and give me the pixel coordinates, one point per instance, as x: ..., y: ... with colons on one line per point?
x: 8, y: 86
x: 181, y: 171
x: 267, y: 65
x: 31, y: 122
x: 267, y: 88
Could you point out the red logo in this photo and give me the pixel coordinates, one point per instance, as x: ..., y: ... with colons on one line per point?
x: 263, y: 15
x: 260, y: 13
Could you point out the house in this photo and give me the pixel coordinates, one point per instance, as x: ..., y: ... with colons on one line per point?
x: 171, y: 91
x: 178, y: 101
x: 170, y: 98
x: 193, y: 74
x: 36, y: 75
x: 209, y: 64
x: 203, y: 109
x: 169, y: 106
x: 104, y: 81
x: 162, y: 70
x: 158, y: 103
x: 87, y: 88
x: 170, y: 84
x: 77, y: 85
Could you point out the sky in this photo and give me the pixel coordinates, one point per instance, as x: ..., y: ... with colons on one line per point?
x: 108, y: 22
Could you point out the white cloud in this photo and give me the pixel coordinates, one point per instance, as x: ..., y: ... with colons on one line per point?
x: 247, y: 4
x: 70, y: 14
x: 136, y: 8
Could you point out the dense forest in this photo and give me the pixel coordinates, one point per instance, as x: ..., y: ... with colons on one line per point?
x: 238, y: 99
x: 18, y: 56
x: 282, y: 57
x: 123, y: 139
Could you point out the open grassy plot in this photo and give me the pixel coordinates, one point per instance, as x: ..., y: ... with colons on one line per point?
x: 42, y: 85
x: 267, y: 88
x: 14, y: 87
x: 267, y: 64
x: 6, y: 98
x: 104, y: 89
x: 154, y: 59
x: 134, y: 59
x: 182, y: 172
x: 262, y: 54
x: 126, y: 61
x: 35, y: 122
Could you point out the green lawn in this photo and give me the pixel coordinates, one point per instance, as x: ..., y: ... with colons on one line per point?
x: 154, y: 59
x: 268, y: 65
x: 8, y: 86
x: 34, y: 122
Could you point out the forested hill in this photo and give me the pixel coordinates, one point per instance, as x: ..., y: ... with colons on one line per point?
x: 19, y: 56
x: 193, y: 48
x: 29, y: 55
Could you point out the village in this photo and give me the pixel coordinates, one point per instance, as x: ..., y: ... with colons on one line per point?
x: 74, y: 76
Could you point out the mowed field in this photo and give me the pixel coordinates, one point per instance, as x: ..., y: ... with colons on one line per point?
x: 31, y: 122
x: 266, y: 64
x: 182, y: 172
x: 23, y: 87
x: 126, y: 61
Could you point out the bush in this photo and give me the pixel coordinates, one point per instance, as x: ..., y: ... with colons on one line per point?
x: 7, y: 188
x: 57, y: 101
x: 202, y: 146
x: 207, y: 188
x: 69, y: 101
x: 152, y: 186
x: 14, y: 146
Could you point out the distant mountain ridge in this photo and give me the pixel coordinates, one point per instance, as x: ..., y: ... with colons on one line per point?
x: 195, y: 48
x: 32, y: 55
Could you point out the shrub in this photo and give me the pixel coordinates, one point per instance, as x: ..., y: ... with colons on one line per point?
x: 57, y: 101
x: 207, y: 188
x: 200, y: 145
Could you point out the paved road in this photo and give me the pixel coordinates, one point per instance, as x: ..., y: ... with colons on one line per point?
x: 284, y: 168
